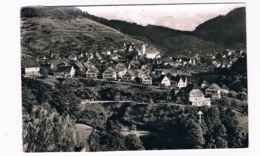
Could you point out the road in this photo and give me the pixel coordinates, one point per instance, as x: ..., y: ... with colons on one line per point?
x: 129, y: 101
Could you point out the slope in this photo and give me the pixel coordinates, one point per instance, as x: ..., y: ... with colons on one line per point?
x: 229, y: 30
x: 169, y: 41
x: 56, y: 30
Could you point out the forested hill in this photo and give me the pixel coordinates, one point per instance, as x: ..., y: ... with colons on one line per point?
x: 169, y: 41
x: 66, y: 30
x: 229, y: 30
x: 213, y: 35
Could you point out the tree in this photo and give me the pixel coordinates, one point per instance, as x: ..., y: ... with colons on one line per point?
x: 194, y: 135
x: 221, y: 143
x: 132, y: 142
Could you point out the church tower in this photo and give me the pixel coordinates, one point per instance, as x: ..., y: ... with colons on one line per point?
x: 144, y: 49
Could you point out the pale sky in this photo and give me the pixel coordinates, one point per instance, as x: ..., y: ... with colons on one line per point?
x: 180, y: 17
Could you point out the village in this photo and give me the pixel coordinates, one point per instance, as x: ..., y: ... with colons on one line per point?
x: 139, y: 65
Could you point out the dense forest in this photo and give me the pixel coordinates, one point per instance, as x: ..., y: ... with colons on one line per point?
x: 229, y: 30
x: 50, y: 112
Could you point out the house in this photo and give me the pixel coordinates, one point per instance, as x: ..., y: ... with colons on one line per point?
x: 55, y: 56
x: 225, y: 89
x: 79, y: 67
x: 144, y: 77
x: 181, y: 83
x: 139, y: 73
x: 109, y: 74
x: 91, y: 70
x: 167, y: 61
x: 120, y: 69
x: 72, y: 56
x: 108, y: 53
x: 214, y: 62
x: 164, y: 80
x: 98, y: 56
x: 196, y: 97
x: 128, y: 76
x: 219, y: 65
x: 213, y: 91
x: 205, y: 84
x: 90, y: 56
x: 115, y: 57
x: 147, y: 79
x: 57, y: 63
x: 230, y: 52
x: 65, y: 71
x: 30, y: 67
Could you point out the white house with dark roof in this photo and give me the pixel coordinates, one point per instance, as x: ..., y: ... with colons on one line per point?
x: 164, y: 80
x: 30, y: 67
x: 129, y: 75
x: 182, y: 83
x: 120, y: 69
x: 91, y: 70
x: 65, y: 71
x: 213, y: 91
x: 109, y: 74
x: 147, y: 79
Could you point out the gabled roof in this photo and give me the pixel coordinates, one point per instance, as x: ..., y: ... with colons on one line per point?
x: 120, y: 67
x: 225, y: 87
x: 177, y: 78
x: 109, y: 70
x: 98, y: 55
x: 90, y: 67
x: 64, y: 69
x: 58, y: 62
x: 205, y: 82
x: 29, y: 63
x: 79, y: 65
x: 167, y: 60
x: 196, y: 92
x: 116, y: 55
x: 138, y: 72
x: 131, y: 73
x: 162, y: 77
x: 214, y: 86
x: 147, y: 76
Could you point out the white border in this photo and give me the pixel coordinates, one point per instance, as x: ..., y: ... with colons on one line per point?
x: 10, y: 84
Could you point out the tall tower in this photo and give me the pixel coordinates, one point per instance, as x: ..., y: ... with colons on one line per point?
x: 144, y: 49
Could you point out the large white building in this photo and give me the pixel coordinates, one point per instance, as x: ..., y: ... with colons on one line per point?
x: 30, y: 67
x: 196, y: 97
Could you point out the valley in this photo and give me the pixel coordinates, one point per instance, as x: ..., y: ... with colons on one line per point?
x: 92, y: 84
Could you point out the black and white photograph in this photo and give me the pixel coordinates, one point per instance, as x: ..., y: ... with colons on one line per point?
x: 134, y: 77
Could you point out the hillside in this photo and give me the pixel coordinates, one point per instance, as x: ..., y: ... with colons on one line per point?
x: 47, y: 30
x: 229, y: 30
x: 63, y: 30
x: 169, y: 41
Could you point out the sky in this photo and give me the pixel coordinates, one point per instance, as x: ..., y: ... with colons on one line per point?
x: 180, y: 17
